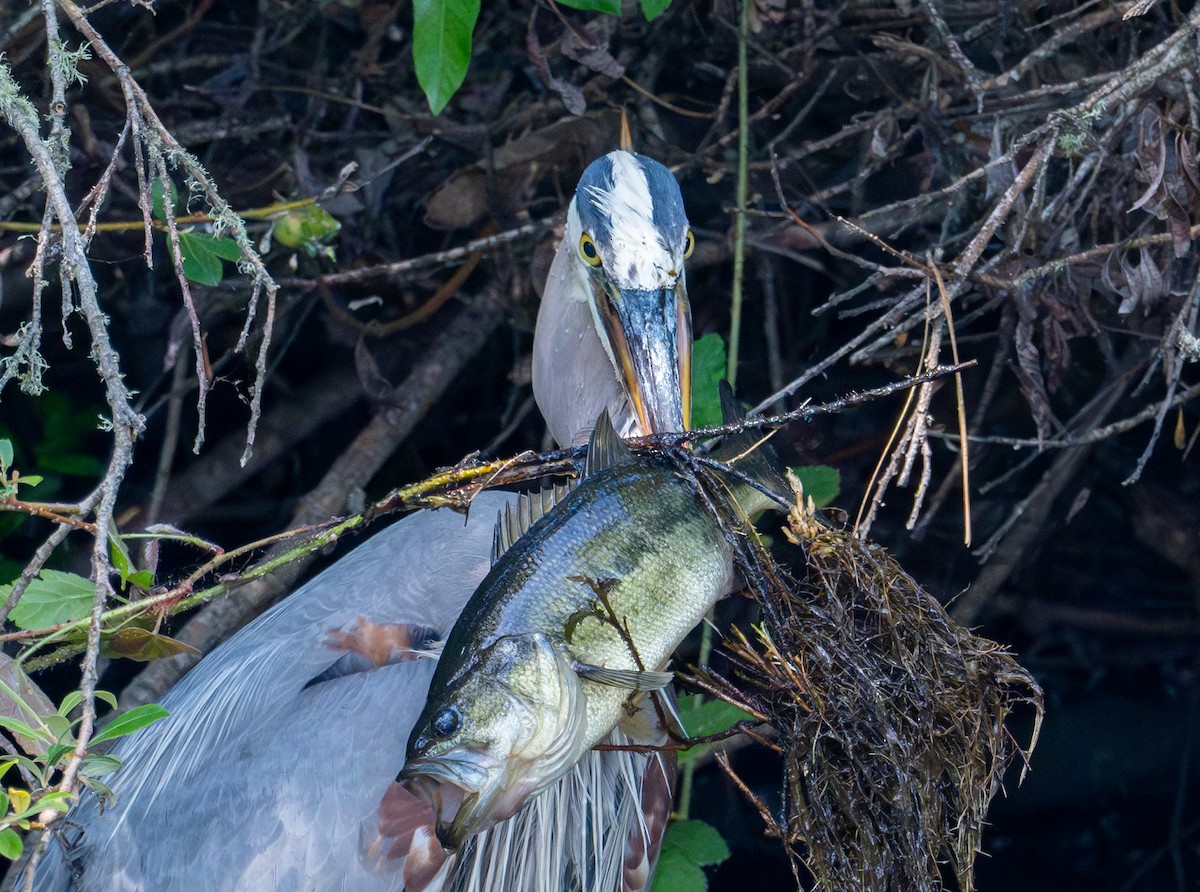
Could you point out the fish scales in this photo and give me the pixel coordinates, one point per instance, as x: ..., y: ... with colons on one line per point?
x: 640, y: 534
x: 554, y: 650
x: 572, y: 626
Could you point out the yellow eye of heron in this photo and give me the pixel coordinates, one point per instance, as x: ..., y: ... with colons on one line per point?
x: 587, y: 250
x: 689, y: 244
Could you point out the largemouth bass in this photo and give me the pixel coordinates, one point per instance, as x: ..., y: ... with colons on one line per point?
x: 575, y: 622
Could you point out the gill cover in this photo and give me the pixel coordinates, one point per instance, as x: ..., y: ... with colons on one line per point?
x: 523, y: 723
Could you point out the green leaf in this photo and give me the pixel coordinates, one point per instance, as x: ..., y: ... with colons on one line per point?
x: 31, y: 479
x: 35, y: 770
x: 55, y: 754
x: 442, y: 46
x: 157, y: 210
x: 10, y: 844
x: 97, y: 765
x: 701, y: 842
x: 702, y: 717
x: 652, y: 9
x: 6, y: 455
x: 821, y: 483
x: 202, y: 256
x: 134, y: 720
x: 59, y: 800
x: 7, y: 762
x: 52, y: 597
x: 310, y: 228
x: 687, y: 847
x: 69, y: 702
x: 676, y: 873
x: 19, y: 728
x: 102, y: 790
x: 612, y: 7
x: 157, y: 206
x: 143, y: 645
x: 143, y: 579
x: 119, y: 555
x: 60, y: 726
x: 223, y: 246
x: 708, y: 369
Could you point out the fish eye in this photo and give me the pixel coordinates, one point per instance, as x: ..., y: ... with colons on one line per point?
x: 689, y: 244
x: 446, y: 722
x: 588, y: 251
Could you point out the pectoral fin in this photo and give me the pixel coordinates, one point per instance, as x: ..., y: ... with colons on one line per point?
x: 631, y: 679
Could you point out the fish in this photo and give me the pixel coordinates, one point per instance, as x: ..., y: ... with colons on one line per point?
x: 572, y: 628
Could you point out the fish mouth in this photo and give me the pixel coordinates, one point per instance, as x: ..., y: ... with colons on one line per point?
x: 649, y: 332
x: 466, y: 795
x: 444, y: 796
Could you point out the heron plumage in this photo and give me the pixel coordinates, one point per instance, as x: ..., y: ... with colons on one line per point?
x: 268, y: 771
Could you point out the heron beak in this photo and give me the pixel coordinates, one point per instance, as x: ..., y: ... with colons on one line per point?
x: 650, y: 332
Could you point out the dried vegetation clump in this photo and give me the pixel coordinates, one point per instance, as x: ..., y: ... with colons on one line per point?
x: 891, y: 718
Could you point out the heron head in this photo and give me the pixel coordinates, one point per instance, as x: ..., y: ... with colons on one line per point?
x: 503, y: 729
x: 630, y: 237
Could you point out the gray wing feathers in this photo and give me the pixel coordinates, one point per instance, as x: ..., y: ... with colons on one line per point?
x: 268, y: 780
x: 571, y: 837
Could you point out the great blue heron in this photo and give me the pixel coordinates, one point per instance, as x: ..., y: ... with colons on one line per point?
x: 282, y: 741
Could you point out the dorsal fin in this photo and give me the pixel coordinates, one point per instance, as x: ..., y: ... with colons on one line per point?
x: 605, y: 449
x: 751, y: 453
x: 514, y: 520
